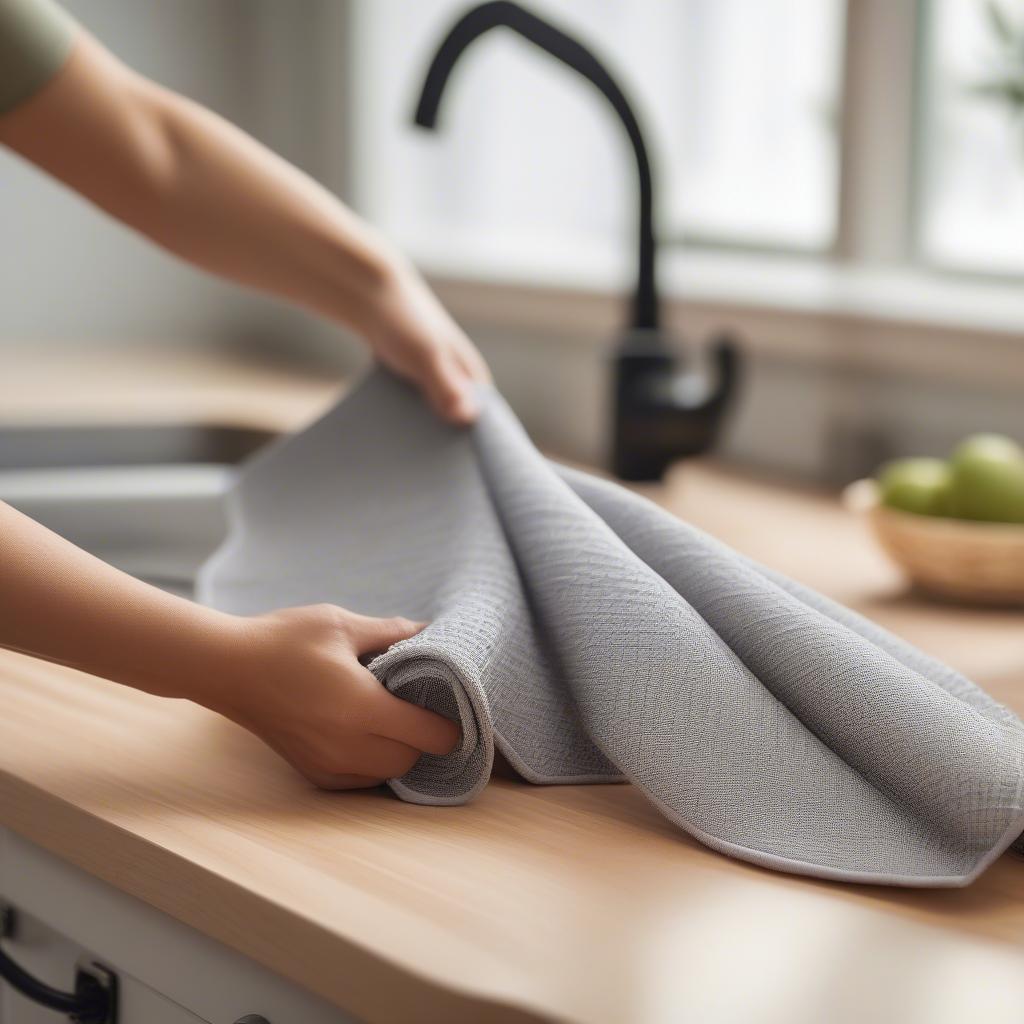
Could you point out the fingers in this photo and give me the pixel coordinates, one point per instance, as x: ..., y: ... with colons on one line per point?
x: 449, y: 389
x: 369, y: 635
x: 391, y: 718
x: 359, y: 764
x: 386, y: 758
x: 415, y: 727
x: 473, y: 363
x: 423, y: 343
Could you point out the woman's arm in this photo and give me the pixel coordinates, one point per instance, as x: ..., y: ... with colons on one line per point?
x: 211, y: 194
x: 292, y: 677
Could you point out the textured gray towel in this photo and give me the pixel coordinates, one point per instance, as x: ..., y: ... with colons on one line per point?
x: 591, y: 636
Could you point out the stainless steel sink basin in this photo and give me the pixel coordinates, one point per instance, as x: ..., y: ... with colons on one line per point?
x: 149, y: 499
x: 52, y: 447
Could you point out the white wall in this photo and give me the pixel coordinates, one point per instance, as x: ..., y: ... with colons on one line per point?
x: 70, y: 275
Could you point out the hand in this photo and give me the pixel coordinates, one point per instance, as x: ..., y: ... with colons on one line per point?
x: 301, y: 689
x: 414, y: 336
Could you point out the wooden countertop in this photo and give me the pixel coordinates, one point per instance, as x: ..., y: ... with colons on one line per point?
x: 571, y: 903
x: 157, y: 384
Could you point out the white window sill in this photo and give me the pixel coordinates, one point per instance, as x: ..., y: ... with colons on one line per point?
x: 546, y: 269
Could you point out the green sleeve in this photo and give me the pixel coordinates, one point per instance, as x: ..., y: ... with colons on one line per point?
x: 35, y: 40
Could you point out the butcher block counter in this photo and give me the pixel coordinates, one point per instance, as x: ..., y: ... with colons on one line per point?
x: 560, y: 903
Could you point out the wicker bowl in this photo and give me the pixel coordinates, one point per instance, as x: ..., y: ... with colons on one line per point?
x: 964, y: 560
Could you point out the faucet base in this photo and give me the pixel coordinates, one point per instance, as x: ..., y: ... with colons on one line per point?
x: 661, y: 414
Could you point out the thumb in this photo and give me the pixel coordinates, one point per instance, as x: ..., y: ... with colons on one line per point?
x: 369, y: 635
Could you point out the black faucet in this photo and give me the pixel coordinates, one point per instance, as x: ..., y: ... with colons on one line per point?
x: 661, y: 414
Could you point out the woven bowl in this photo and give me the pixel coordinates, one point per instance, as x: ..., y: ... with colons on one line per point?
x: 964, y: 560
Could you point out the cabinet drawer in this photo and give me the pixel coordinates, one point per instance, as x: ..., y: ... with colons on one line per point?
x: 168, y: 973
x: 49, y: 956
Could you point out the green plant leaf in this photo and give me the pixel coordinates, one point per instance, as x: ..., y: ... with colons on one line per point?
x: 1000, y: 23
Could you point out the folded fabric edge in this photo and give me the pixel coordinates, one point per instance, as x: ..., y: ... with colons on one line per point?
x: 411, y: 663
x: 444, y: 682
x: 812, y: 869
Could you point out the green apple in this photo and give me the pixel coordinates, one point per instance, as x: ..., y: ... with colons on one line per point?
x: 988, y: 479
x: 916, y: 485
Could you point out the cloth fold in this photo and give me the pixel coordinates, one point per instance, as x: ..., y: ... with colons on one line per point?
x: 592, y: 637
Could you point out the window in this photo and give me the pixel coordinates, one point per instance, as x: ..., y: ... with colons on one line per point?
x: 972, y: 162
x: 748, y: 118
x: 752, y: 107
x: 739, y: 98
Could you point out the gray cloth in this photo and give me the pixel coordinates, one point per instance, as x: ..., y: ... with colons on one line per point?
x: 593, y: 637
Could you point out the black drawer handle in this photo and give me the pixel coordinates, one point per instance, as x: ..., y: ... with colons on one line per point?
x: 94, y: 1000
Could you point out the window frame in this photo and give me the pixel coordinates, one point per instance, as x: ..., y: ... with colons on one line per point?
x: 879, y: 151
x: 879, y: 197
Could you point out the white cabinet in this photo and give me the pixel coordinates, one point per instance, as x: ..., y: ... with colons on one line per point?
x: 167, y: 973
x: 50, y: 956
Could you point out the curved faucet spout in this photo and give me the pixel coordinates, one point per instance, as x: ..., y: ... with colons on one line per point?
x: 505, y: 14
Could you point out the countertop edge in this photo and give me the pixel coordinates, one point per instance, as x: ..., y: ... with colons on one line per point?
x: 331, y: 966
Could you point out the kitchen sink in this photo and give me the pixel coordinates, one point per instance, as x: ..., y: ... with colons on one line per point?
x: 147, y: 498
x: 63, y: 446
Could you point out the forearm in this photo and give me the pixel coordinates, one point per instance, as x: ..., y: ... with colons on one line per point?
x: 201, y: 188
x: 228, y: 204
x: 61, y: 604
